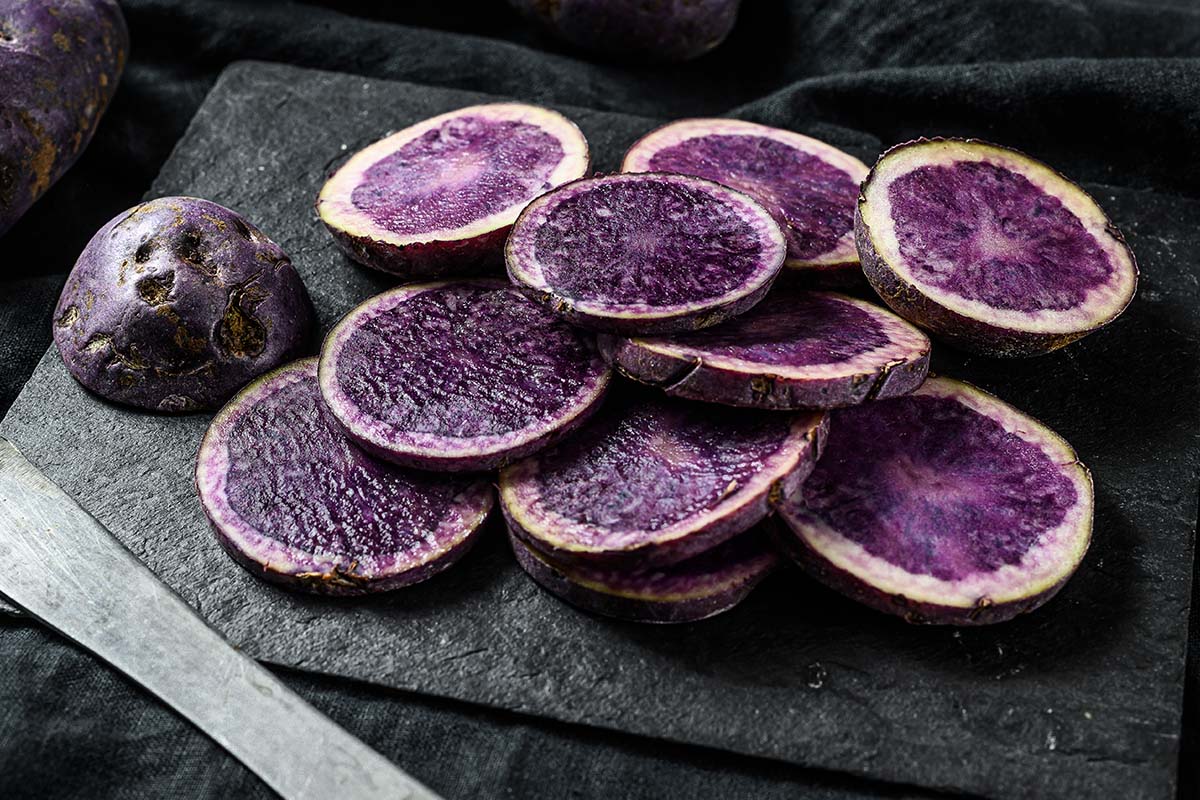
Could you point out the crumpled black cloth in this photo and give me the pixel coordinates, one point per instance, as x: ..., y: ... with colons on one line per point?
x: 1106, y: 90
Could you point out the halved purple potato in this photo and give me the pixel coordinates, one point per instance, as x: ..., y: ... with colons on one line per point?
x: 176, y: 303
x: 646, y: 252
x: 636, y: 30
x: 698, y: 588
x: 944, y: 506
x: 796, y: 349
x: 653, y: 481
x: 455, y: 376
x: 808, y: 186
x: 296, y: 504
x: 440, y: 197
x: 989, y: 248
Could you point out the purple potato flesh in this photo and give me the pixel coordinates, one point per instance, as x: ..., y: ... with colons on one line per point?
x: 60, y: 61
x: 456, y: 376
x: 700, y: 587
x: 176, y: 303
x: 808, y: 186
x: 636, y: 30
x: 795, y: 349
x: 653, y: 481
x: 440, y: 197
x: 296, y: 504
x: 646, y: 252
x: 944, y: 506
x: 989, y: 248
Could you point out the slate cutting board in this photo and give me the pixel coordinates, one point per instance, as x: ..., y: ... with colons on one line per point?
x: 1081, y: 699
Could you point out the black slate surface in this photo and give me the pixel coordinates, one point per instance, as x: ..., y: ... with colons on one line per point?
x: 1080, y: 699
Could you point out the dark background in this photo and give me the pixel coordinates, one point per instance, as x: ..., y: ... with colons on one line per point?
x: 1107, y: 90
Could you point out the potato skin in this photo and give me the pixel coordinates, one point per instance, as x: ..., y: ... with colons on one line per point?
x: 60, y: 61
x: 176, y: 303
x: 636, y: 30
x: 479, y: 255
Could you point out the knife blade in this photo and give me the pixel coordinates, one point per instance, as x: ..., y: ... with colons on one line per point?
x: 65, y: 568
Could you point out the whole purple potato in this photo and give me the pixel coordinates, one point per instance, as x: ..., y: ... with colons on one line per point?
x: 636, y: 30
x: 59, y: 65
x: 177, y: 303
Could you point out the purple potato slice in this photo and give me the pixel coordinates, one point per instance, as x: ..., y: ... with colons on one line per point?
x: 808, y: 186
x: 944, y: 506
x: 439, y: 198
x: 796, y: 349
x: 989, y: 248
x: 698, y: 588
x: 60, y: 62
x: 456, y: 376
x: 646, y: 253
x: 176, y: 303
x: 634, y: 30
x: 296, y: 504
x: 653, y: 481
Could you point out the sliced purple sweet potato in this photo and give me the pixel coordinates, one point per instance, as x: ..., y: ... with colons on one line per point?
x: 944, y: 506
x: 808, y: 186
x: 989, y: 248
x: 646, y: 252
x: 176, y: 303
x: 439, y: 198
x: 796, y: 349
x: 653, y: 481
x: 700, y: 587
x: 462, y: 375
x: 296, y: 504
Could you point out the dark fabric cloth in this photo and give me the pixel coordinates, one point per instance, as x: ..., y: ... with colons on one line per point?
x: 1106, y: 90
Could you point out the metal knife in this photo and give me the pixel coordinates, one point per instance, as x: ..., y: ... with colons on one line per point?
x: 63, y: 567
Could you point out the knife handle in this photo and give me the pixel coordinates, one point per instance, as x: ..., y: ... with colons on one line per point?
x: 63, y: 567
